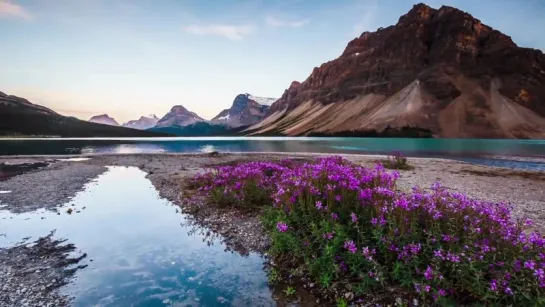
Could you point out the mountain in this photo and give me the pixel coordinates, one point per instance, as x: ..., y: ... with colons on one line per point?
x: 439, y: 70
x: 104, y: 119
x: 245, y: 111
x: 143, y: 123
x: 19, y: 117
x: 201, y: 128
x: 178, y: 116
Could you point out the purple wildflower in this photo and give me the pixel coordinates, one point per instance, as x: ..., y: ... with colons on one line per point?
x: 319, y: 205
x: 530, y: 265
x: 328, y: 235
x: 350, y: 246
x: 354, y: 217
x: 493, y: 285
x: 429, y: 273
x: 282, y: 227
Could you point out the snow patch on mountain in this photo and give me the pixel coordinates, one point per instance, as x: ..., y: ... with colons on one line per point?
x: 226, y: 117
x: 262, y: 100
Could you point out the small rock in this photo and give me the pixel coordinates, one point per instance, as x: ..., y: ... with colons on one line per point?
x: 399, y: 301
x: 349, y: 296
x: 312, y: 285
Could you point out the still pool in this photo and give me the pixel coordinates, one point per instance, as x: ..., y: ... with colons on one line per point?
x: 141, y: 250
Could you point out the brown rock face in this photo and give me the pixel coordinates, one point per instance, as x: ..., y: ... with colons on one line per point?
x: 452, y: 55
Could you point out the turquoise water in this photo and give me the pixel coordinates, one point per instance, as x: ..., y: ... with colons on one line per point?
x: 481, y: 151
x: 143, y: 251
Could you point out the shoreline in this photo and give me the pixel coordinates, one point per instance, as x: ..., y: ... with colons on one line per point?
x: 241, y: 232
x: 168, y: 169
x: 537, y: 159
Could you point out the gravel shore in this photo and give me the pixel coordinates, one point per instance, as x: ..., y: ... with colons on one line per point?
x: 55, y: 184
x: 31, y: 274
x: 46, y: 187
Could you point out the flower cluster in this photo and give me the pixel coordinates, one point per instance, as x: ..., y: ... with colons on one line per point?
x: 350, y: 224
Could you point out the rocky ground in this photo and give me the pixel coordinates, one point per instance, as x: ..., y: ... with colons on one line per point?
x: 53, y: 185
x: 31, y: 274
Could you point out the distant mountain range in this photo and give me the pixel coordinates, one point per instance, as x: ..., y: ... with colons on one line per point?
x: 244, y: 112
x: 437, y: 70
x: 19, y: 117
x: 435, y: 73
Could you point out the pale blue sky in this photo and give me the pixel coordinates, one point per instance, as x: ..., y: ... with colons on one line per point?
x: 134, y: 57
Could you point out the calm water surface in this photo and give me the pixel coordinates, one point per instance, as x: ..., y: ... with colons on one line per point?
x: 470, y: 150
x: 142, y: 250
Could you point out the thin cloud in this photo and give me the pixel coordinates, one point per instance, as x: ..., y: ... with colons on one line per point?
x: 367, y: 20
x: 275, y: 22
x: 232, y: 32
x: 9, y: 9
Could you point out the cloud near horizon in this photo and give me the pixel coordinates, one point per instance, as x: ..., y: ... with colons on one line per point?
x: 275, y: 22
x: 232, y: 32
x: 9, y: 9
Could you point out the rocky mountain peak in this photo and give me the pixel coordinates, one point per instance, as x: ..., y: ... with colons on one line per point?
x: 179, y: 109
x: 104, y: 119
x: 418, y: 14
x: 441, y: 56
x: 244, y: 111
x: 179, y: 116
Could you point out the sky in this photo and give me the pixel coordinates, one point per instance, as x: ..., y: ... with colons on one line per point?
x: 129, y: 58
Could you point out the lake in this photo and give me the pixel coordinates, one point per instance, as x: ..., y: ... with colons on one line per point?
x: 481, y: 151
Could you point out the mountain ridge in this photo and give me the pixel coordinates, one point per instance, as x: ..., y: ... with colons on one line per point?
x: 20, y: 117
x: 438, y: 69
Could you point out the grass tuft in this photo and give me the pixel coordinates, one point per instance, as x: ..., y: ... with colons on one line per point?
x: 397, y: 161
